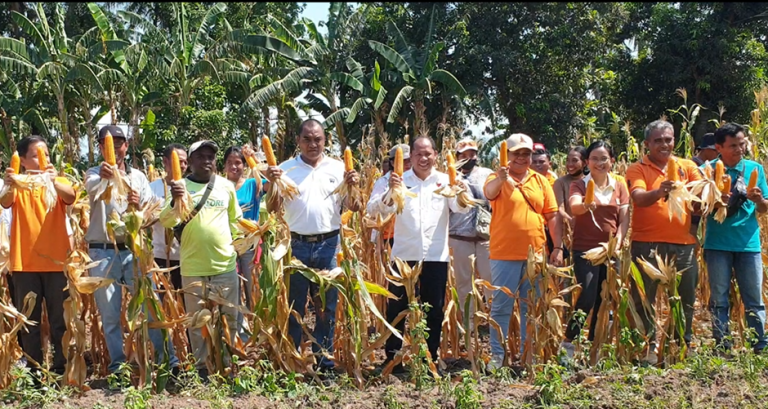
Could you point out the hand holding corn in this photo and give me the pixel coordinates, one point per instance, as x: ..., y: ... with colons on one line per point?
x: 664, y: 189
x: 351, y: 177
x: 8, y: 180
x: 274, y: 173
x: 178, y: 188
x: 106, y: 171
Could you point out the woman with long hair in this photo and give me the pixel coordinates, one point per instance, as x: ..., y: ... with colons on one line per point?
x: 607, y: 214
x: 576, y: 167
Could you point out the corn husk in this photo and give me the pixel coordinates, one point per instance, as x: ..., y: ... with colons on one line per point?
x: 604, y: 252
x: 666, y: 271
x: 345, y: 190
x: 33, y: 179
x: 679, y: 201
x: 252, y: 234
x: 457, y: 190
x: 708, y: 195
x: 282, y: 187
x: 398, y: 195
x: 115, y: 188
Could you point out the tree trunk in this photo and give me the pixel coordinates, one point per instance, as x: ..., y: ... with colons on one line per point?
x: 135, y: 138
x: 8, y: 128
x: 69, y: 153
x: 112, y: 107
x: 331, y: 97
x: 89, y: 134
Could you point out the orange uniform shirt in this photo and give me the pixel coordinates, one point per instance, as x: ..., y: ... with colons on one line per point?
x: 38, y: 238
x: 651, y: 224
x: 514, y: 224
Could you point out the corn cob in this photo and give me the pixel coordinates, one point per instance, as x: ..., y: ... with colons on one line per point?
x: 672, y: 171
x: 719, y: 171
x: 267, y: 146
x: 339, y: 258
x: 175, y: 166
x: 451, y: 169
x: 251, y: 161
x: 727, y: 184
x: 752, y: 180
x: 348, y: 165
x: 399, y: 161
x: 248, y: 225
x: 16, y: 163
x: 503, y: 155
x: 109, y: 150
x: 589, y: 197
x: 42, y: 158
x: 151, y: 170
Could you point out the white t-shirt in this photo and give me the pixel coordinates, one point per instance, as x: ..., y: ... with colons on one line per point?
x: 314, y: 210
x: 158, y: 231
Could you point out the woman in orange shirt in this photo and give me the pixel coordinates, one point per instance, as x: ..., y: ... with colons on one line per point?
x: 39, y: 247
x: 523, y: 202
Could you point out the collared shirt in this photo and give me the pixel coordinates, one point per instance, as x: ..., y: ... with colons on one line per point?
x: 314, y: 210
x: 97, y: 230
x: 159, y: 189
x: 651, y: 224
x: 602, y: 195
x: 741, y: 231
x: 463, y: 224
x: 422, y: 228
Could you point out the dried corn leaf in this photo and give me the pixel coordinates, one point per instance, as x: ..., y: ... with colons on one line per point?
x: 397, y: 196
x: 115, y: 188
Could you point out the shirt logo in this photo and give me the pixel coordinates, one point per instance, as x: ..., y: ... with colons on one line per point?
x: 332, y: 180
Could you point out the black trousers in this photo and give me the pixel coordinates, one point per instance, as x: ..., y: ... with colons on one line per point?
x: 48, y: 287
x: 591, y: 279
x: 12, y: 295
x: 430, y: 289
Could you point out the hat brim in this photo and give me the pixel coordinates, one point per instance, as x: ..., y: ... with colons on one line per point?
x: 518, y: 147
x: 707, y: 147
x: 466, y: 148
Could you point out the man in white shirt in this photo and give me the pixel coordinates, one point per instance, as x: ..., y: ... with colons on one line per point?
x: 314, y: 218
x: 422, y: 235
x: 380, y: 186
x: 168, y: 256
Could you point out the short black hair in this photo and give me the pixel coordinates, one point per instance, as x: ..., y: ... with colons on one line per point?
x: 729, y: 129
x: 427, y: 137
x: 600, y: 144
x: 23, y: 146
x: 172, y: 147
x: 234, y: 150
x: 582, y: 151
x: 307, y: 122
x: 542, y: 152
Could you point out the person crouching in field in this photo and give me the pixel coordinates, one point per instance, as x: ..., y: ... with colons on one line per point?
x: 207, y: 253
x: 39, y: 248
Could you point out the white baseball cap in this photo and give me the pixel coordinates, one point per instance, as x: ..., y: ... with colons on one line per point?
x: 518, y: 141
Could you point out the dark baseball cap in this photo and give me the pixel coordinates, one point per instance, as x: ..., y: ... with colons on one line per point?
x: 113, y: 130
x: 707, y: 141
x: 202, y: 144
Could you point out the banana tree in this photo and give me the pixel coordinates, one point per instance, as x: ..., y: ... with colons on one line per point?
x: 322, y: 70
x: 419, y: 72
x: 48, y: 58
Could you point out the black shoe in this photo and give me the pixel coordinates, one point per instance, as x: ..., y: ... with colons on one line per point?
x: 203, y: 374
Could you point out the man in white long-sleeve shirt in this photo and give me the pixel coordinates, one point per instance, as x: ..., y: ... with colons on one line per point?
x: 380, y: 187
x: 422, y: 235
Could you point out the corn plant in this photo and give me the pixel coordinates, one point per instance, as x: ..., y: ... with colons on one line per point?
x: 685, y: 143
x: 11, y: 323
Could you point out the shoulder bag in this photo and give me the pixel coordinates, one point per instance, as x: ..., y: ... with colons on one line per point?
x: 180, y: 227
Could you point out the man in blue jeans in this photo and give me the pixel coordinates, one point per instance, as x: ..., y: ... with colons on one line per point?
x: 117, y: 265
x: 733, y: 247
x: 314, y: 218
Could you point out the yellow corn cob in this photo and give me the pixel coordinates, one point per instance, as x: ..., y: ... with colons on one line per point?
x: 672, y: 170
x: 16, y: 163
x: 151, y: 170
x: 727, y: 184
x: 589, y: 197
x: 399, y: 161
x: 503, y: 155
x: 109, y: 150
x: 175, y: 166
x: 719, y: 171
x: 451, y: 169
x: 348, y: 165
x: 42, y: 159
x: 248, y: 225
x: 752, y: 180
x: 266, y: 145
x: 251, y: 161
x: 339, y: 258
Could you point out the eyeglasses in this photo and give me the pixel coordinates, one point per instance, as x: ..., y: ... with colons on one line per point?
x: 599, y: 161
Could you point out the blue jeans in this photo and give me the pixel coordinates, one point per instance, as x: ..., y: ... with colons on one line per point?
x: 319, y: 255
x: 748, y: 268
x: 510, y: 274
x: 109, y: 300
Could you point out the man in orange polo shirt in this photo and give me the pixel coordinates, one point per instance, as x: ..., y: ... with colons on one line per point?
x: 39, y: 241
x: 652, y: 230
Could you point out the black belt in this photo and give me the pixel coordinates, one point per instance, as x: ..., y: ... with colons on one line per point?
x: 314, y: 237
x: 105, y: 246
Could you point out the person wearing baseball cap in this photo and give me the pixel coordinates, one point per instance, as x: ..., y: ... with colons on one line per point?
x: 706, y: 150
x: 207, y: 255
x: 380, y: 186
x: 117, y: 265
x: 464, y: 238
x: 541, y: 162
x: 523, y: 203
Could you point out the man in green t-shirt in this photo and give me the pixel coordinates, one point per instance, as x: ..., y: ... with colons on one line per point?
x: 206, y: 251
